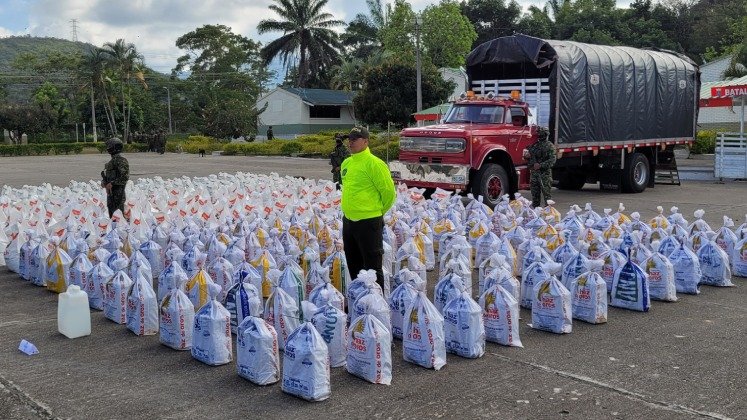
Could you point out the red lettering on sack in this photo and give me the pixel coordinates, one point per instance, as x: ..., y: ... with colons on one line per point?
x: 548, y: 302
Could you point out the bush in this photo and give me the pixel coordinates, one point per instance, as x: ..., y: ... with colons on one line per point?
x: 194, y: 144
x: 381, y: 151
x: 136, y: 147
x: 705, y: 142
x: 39, y: 149
x: 291, y: 148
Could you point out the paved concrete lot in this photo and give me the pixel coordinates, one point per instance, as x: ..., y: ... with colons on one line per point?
x: 680, y: 360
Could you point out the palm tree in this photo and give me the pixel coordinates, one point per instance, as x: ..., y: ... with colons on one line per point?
x: 347, y: 75
x: 94, y: 69
x: 307, y: 32
x: 362, y: 34
x: 124, y: 59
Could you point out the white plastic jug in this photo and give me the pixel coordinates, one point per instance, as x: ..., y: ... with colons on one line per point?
x: 73, y: 313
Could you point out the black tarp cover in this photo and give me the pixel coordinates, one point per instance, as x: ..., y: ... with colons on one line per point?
x: 599, y: 94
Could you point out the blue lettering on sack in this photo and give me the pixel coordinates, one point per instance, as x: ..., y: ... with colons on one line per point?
x: 244, y: 302
x: 330, y: 317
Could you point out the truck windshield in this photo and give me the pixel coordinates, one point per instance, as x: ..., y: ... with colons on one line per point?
x: 477, y: 114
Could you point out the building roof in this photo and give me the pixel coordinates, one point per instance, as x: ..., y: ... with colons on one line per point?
x: 705, y: 88
x: 433, y: 113
x: 716, y: 61
x: 322, y: 96
x: 438, y: 109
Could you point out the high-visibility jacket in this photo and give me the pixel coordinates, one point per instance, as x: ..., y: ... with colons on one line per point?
x: 367, y: 186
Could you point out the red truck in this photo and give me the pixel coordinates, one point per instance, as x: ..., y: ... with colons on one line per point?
x: 614, y: 114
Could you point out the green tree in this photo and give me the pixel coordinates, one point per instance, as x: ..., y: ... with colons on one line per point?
x: 48, y: 97
x: 52, y: 79
x: 215, y: 52
x: 591, y: 21
x: 642, y: 29
x: 230, y: 116
x: 492, y: 18
x: 347, y: 75
x: 307, y: 32
x: 447, y: 34
x: 397, y: 36
x: 95, y: 72
x: 537, y: 22
x: 738, y: 65
x: 388, y: 93
x: 27, y: 119
x: 718, y: 24
x: 127, y: 64
x: 361, y: 36
x: 226, y: 76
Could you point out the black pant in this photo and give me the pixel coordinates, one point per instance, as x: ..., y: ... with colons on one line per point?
x: 116, y: 199
x: 364, y: 250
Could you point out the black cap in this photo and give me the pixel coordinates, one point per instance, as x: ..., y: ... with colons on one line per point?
x: 358, y: 133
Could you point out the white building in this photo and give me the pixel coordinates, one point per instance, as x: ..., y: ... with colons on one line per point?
x: 295, y: 111
x: 458, y: 77
x: 714, y: 71
x: 718, y: 114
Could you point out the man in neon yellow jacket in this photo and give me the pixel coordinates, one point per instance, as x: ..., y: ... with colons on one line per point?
x: 367, y: 194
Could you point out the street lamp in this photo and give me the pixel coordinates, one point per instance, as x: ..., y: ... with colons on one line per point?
x: 418, y: 24
x: 168, y: 97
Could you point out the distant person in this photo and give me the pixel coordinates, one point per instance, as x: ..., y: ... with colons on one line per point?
x: 367, y: 194
x: 338, y: 155
x: 540, y: 158
x: 115, y: 175
x: 270, y: 135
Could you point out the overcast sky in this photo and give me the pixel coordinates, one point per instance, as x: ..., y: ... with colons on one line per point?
x: 154, y: 25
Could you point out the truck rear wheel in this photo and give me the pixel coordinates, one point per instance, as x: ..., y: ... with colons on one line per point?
x: 636, y: 173
x: 572, y: 181
x: 491, y: 182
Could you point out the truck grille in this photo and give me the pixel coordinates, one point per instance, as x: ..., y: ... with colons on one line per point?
x: 432, y: 144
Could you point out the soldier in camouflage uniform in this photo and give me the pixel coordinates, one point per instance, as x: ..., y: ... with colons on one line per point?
x: 540, y: 159
x: 115, y: 175
x: 335, y: 159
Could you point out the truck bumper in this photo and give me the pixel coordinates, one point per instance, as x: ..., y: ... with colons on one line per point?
x: 428, y: 175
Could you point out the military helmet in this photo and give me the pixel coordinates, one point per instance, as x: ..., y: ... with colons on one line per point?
x: 114, y: 145
x: 543, y: 133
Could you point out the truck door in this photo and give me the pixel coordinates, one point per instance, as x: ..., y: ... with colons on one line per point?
x: 521, y: 137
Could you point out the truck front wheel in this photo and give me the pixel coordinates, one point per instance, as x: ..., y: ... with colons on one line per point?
x: 636, y: 174
x: 491, y: 182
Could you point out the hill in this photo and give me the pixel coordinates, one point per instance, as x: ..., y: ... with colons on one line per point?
x: 11, y: 47
x: 17, y: 89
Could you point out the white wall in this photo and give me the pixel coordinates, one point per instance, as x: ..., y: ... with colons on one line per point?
x: 283, y: 108
x: 721, y: 118
x: 458, y: 77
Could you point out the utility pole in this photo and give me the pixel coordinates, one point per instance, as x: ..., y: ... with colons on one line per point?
x: 168, y: 100
x: 93, y: 117
x: 418, y: 23
x: 74, y: 24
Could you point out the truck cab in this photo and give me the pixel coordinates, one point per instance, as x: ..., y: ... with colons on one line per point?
x: 477, y: 148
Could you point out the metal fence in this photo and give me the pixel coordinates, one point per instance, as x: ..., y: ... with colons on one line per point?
x: 731, y: 156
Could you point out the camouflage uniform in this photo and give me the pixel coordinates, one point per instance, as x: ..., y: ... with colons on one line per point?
x: 117, y: 173
x: 336, y: 158
x: 540, y: 181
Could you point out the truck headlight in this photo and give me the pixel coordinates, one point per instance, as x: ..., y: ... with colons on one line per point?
x: 455, y: 145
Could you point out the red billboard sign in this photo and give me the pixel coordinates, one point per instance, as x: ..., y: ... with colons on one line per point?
x: 729, y: 91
